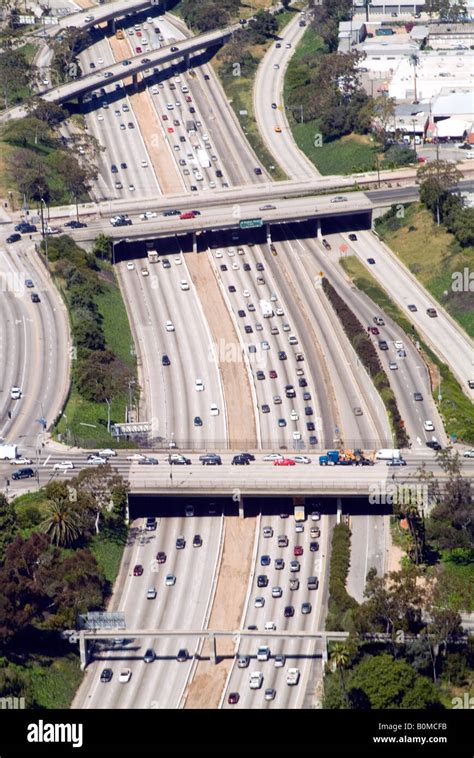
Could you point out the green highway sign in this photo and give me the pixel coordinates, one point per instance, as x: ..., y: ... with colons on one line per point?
x: 249, y: 223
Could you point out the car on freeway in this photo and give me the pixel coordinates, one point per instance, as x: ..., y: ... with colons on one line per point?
x: 371, y: 261
x: 428, y: 426
x: 22, y: 461
x: 357, y: 411
x: 210, y: 459
x: 284, y: 462
x: 138, y: 570
x: 170, y: 580
x: 63, y: 465
x: 289, y: 611
x: 197, y: 540
x: 180, y: 543
x: 353, y: 237
x: 393, y: 366
x: 161, y: 557
x: 298, y: 550
x: 326, y: 244
x: 151, y: 593
x: 149, y: 656
x: 279, y: 562
x: 417, y: 396
x: 106, y: 675
x: 277, y: 592
x: 412, y: 308
x: 13, y: 238
x: 125, y: 676
x: 183, y: 655
x: 197, y: 421
x: 268, y: 531
x: 397, y: 462
x: 259, y: 602
x: 315, y: 532
x: 270, y: 693
x: 434, y: 444
x: 469, y: 453
x: 432, y: 313
x: 262, y: 580
x: 263, y: 653
x: 294, y: 584
x: 294, y: 566
x: 233, y: 698
x: 314, y: 547
x: 243, y: 661
x: 315, y: 516
x: 265, y: 560
x: 306, y: 608
x: 96, y: 460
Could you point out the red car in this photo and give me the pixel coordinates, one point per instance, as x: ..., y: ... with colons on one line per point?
x: 188, y: 214
x: 374, y: 330
x: 273, y: 374
x: 138, y: 570
x: 138, y: 50
x: 164, y: 117
x: 233, y: 698
x: 139, y: 34
x: 189, y: 99
x: 298, y: 550
x: 170, y: 130
x: 284, y: 462
x: 161, y: 557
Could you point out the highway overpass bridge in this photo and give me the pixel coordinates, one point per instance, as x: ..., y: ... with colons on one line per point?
x: 89, y: 83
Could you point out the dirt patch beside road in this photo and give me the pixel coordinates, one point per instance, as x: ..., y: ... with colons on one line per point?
x: 240, y: 410
x: 206, y: 688
x: 151, y: 130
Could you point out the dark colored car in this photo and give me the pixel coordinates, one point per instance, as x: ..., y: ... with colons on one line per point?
x: 197, y: 540
x: 265, y: 560
x: 240, y: 312
x: 260, y: 266
x: 150, y: 525
x: 35, y: 298
x: 106, y: 675
x: 418, y: 396
x: 282, y: 355
x: 289, y: 611
x: 434, y: 445
x: 257, y: 171
x: 13, y: 238
x: 231, y: 288
x: 23, y: 473
x: 197, y: 421
x: 371, y: 261
x: 383, y: 345
x: 239, y: 460
x: 75, y: 224
x: 248, y: 456
x: 260, y: 375
x: 308, y: 411
x: 314, y: 547
x: 310, y: 426
x: 210, y: 459
x: 183, y: 655
x: 180, y: 543
x: 161, y: 557
x: 247, y: 267
x: 353, y: 237
x: 165, y: 361
x: 302, y: 382
x: 262, y: 580
x: 138, y: 570
x: 233, y: 698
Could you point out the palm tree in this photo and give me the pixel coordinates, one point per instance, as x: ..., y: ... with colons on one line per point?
x: 415, y: 61
x: 341, y: 657
x: 62, y: 524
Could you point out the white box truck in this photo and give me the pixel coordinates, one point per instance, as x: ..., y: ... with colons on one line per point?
x: 203, y: 158
x: 292, y: 676
x: 387, y: 454
x: 266, y: 308
x: 8, y: 452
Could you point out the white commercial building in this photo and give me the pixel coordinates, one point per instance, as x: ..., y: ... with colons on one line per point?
x: 434, y: 71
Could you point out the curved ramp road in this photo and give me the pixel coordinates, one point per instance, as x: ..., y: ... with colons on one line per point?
x: 268, y: 89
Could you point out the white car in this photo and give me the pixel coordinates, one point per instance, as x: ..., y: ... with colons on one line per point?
x: 277, y: 592
x: 136, y: 457
x: 131, y: 187
x: 170, y: 580
x: 256, y: 680
x: 15, y: 393
x: 148, y: 214
x: 393, y: 366
x: 273, y: 457
x: 100, y: 117
x: 235, y: 267
x: 184, y: 285
x: 218, y: 254
x: 246, y: 293
x: 199, y: 385
x: 151, y: 593
x: 231, y: 252
x: 398, y: 344
x: 280, y: 312
x: 169, y: 326
x: 125, y: 676
x: 276, y: 66
x: 469, y: 453
x: 214, y: 410
x: 292, y: 339
x: 429, y: 426
x: 263, y: 653
x: 315, y: 516
x: 259, y: 602
x: 301, y: 459
x: 130, y: 266
x: 144, y: 164
x: 108, y: 453
x: 63, y: 465
x: 293, y: 415
x: 22, y: 461
x: 270, y: 626
x: 178, y: 261
x: 145, y: 272
x: 297, y: 436
x: 96, y: 460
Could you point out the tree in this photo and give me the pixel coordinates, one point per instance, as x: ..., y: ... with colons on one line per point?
x: 61, y: 523
x: 77, y: 178
x: 50, y: 113
x: 15, y: 74
x: 8, y: 525
x: 95, y: 489
x: 384, y: 681
x: 444, y: 627
x: 103, y: 247
x: 264, y: 25
x: 384, y: 115
x: 436, y: 179
x: 341, y: 658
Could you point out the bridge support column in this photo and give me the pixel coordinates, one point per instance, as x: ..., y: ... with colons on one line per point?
x: 268, y: 231
x: 83, y: 650
x: 318, y: 229
x: 135, y: 82
x: 111, y: 25
x: 339, y: 510
x: 241, y: 508
x: 324, y: 647
x: 195, y: 244
x: 186, y: 60
x: 80, y: 99
x: 212, y: 640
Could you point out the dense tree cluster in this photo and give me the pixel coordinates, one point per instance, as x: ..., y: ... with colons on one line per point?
x: 208, y: 14
x: 339, y: 599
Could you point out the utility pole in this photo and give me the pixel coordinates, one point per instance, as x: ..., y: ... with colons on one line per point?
x: 414, y: 137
